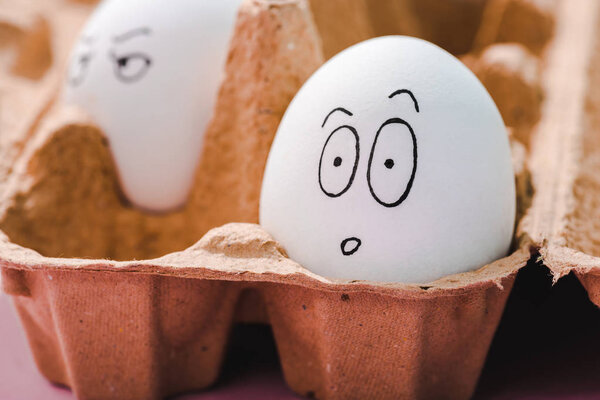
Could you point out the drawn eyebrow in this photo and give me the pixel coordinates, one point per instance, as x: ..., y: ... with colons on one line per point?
x: 408, y: 92
x: 131, y: 34
x: 339, y: 109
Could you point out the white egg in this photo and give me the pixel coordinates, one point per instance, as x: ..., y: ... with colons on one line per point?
x: 148, y: 73
x: 392, y: 163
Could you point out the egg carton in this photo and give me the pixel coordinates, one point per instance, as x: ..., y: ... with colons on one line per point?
x: 158, y: 325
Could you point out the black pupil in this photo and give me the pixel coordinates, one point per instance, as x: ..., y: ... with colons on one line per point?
x: 123, y: 61
x: 389, y: 163
x: 337, y: 162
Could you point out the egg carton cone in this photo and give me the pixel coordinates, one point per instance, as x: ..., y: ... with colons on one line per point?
x: 563, y: 220
x: 121, y: 304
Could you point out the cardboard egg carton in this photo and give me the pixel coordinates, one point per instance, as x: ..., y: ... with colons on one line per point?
x: 158, y: 326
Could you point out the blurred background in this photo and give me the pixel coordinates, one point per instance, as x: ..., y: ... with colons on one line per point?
x: 547, y: 343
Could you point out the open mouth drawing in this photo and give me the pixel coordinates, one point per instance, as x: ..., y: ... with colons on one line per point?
x: 350, y: 246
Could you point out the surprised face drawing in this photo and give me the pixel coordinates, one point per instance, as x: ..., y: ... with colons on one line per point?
x: 391, y: 164
x: 148, y: 73
x: 389, y: 181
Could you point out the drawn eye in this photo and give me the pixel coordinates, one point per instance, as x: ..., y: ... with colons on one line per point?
x: 339, y: 160
x: 131, y: 67
x: 79, y: 68
x: 392, y: 163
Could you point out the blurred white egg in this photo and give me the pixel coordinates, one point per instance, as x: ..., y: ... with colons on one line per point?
x: 148, y: 73
x: 392, y: 163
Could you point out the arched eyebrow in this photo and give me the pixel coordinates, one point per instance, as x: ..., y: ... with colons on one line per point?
x: 408, y: 92
x: 338, y: 109
x: 131, y: 34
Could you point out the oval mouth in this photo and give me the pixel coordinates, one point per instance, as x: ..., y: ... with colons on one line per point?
x: 350, y: 246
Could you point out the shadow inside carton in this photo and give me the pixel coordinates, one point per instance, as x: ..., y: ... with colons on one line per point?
x: 60, y: 387
x: 251, y: 369
x: 547, y: 341
x: 251, y: 348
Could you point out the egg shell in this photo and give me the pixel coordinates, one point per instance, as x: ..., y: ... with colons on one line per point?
x: 52, y: 294
x: 130, y: 57
x: 445, y: 204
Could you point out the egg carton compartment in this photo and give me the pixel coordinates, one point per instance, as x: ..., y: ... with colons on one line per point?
x: 158, y: 328
x: 111, y: 328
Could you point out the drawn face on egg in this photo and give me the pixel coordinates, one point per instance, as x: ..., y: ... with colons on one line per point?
x: 129, y: 67
x: 389, y: 181
x: 391, y: 164
x: 148, y: 73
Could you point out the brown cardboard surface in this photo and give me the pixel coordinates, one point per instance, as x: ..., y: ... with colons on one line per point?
x: 512, y: 74
x: 157, y: 325
x: 28, y: 85
x: 341, y: 23
x: 562, y: 219
x: 529, y: 22
x: 155, y: 328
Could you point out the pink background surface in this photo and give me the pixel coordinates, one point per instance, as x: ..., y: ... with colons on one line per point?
x: 547, y: 347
